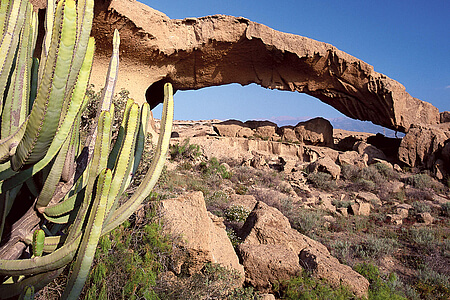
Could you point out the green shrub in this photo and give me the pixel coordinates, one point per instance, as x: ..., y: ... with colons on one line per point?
x: 185, y: 150
x: 237, y: 213
x: 131, y: 257
x: 424, y: 237
x: 420, y: 181
x: 375, y: 247
x: 385, y: 170
x: 212, y: 282
x: 213, y: 167
x: 421, y: 207
x: 307, y: 287
x: 308, y: 221
x: 234, y: 238
x: 380, y: 288
x: 446, y: 209
x: 241, y: 189
x: 433, y: 285
x: 322, y: 181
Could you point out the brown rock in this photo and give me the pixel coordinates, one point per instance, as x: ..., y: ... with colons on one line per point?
x: 266, y: 265
x: 445, y: 116
x: 287, y: 134
x: 233, y: 128
x: 403, y: 210
x: 343, y: 211
x: 369, y: 198
x: 327, y: 267
x: 326, y: 165
x: 264, y: 129
x: 202, y: 239
x: 317, y: 131
x: 422, y: 145
x: 267, y: 226
x: 394, y: 219
x: 369, y: 151
x: 247, y: 201
x: 425, y: 218
x: 351, y: 158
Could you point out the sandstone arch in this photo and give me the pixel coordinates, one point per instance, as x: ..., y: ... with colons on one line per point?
x: 215, y: 50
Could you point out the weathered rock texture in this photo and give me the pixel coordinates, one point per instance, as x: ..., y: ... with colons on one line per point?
x: 199, y: 52
x: 272, y: 250
x: 201, y: 236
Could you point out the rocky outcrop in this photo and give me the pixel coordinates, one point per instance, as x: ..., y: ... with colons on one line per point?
x: 200, y: 237
x: 317, y: 131
x: 199, y: 52
x: 267, y: 234
x: 422, y: 146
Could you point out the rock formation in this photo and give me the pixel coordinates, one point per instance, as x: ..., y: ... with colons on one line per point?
x: 199, y: 52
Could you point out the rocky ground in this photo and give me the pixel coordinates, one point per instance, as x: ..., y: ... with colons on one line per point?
x: 305, y: 198
x: 253, y: 211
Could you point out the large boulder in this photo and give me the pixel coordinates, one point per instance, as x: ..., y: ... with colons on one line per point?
x: 233, y: 128
x: 199, y: 236
x: 317, y: 131
x: 267, y: 229
x: 215, y: 50
x: 422, y: 146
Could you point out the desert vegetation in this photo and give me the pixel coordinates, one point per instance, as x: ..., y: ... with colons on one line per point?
x: 401, y: 260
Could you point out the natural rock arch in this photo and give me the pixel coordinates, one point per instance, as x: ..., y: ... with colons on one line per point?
x: 215, y: 50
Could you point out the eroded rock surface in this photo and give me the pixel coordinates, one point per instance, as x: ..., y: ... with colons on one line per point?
x: 271, y: 246
x: 199, y: 52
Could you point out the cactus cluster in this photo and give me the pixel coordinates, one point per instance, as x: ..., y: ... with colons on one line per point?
x: 58, y: 194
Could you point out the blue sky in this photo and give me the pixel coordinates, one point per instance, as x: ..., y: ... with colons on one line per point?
x: 409, y: 41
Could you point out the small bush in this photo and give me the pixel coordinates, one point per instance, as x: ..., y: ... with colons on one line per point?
x: 420, y: 207
x: 185, y: 150
x: 446, y: 209
x: 380, y: 288
x: 424, y: 237
x: 212, y: 282
x: 307, y: 287
x: 322, y: 181
x: 237, y: 213
x: 375, y: 247
x: 234, y: 238
x: 213, y: 167
x: 433, y: 285
x: 308, y: 221
x: 420, y: 181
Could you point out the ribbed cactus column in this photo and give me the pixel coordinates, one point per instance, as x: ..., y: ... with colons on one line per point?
x: 40, y: 145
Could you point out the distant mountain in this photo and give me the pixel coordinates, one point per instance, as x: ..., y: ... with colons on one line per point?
x: 340, y: 123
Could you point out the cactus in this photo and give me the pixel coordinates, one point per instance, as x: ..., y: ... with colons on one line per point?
x: 68, y: 187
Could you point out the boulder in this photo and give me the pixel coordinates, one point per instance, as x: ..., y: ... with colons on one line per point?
x: 264, y: 129
x: 233, y: 128
x: 360, y: 209
x: 351, y: 158
x: 267, y: 226
x: 317, y: 131
x: 218, y: 50
x: 266, y: 265
x: 368, y: 197
x: 445, y: 116
x: 247, y: 201
x: 287, y: 134
x: 324, y: 266
x: 326, y: 165
x: 426, y: 218
x: 403, y: 210
x: 423, y: 145
x: 202, y: 237
x: 369, y: 152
